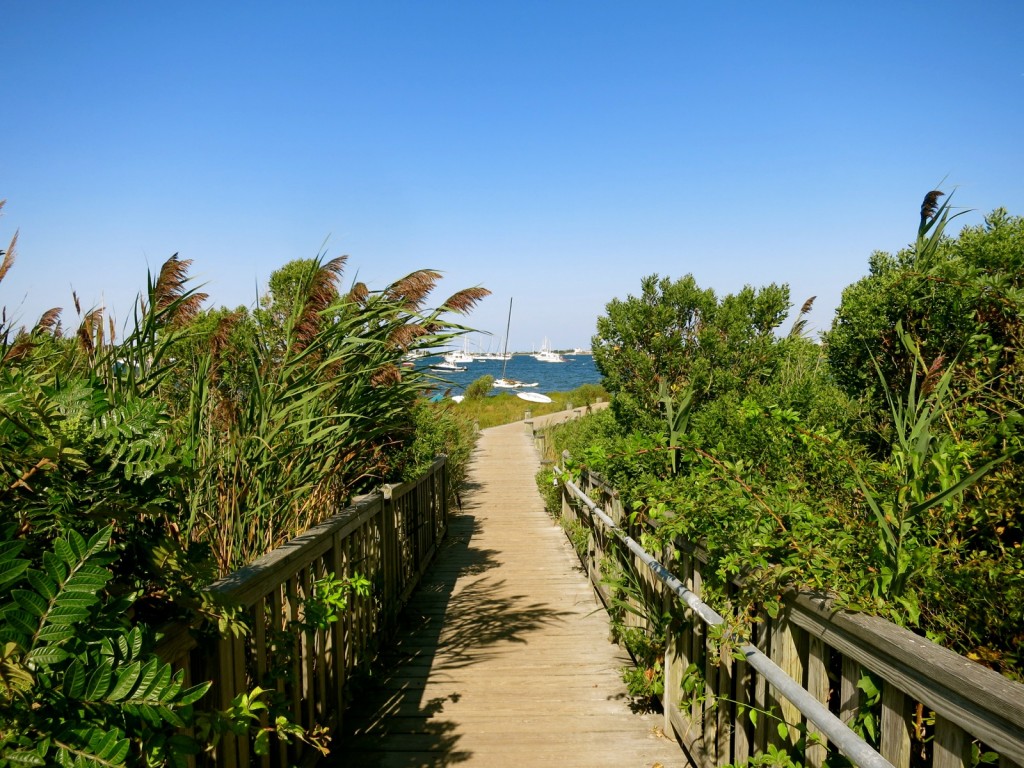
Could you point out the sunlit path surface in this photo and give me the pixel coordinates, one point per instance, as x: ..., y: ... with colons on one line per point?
x: 504, y: 658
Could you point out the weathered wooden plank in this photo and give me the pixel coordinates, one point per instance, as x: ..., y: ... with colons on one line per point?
x: 725, y: 712
x: 849, y: 693
x: 818, y: 687
x: 762, y: 640
x: 743, y: 728
x: 248, y: 584
x: 951, y: 748
x: 785, y: 651
x: 500, y: 662
x: 895, y: 742
x: 986, y: 704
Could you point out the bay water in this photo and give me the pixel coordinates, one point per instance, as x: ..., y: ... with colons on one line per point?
x: 550, y: 377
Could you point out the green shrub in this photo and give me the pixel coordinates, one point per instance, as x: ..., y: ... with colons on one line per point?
x: 440, y: 428
x: 478, y: 389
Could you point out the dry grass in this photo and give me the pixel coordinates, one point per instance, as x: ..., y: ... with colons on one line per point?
x: 506, y: 408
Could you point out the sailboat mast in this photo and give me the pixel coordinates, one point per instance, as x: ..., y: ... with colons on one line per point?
x: 508, y: 324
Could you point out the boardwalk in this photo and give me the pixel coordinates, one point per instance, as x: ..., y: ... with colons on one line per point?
x: 505, y: 658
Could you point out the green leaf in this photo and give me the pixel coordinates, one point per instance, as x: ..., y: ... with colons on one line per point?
x: 42, y: 584
x: 11, y: 571
x: 783, y: 730
x: 23, y: 622
x: 65, y: 552
x: 172, y: 687
x: 30, y: 601
x: 55, y: 567
x: 48, y: 655
x: 149, y: 678
x: 24, y: 758
x: 193, y: 694
x: 77, y: 545
x: 261, y: 744
x: 98, y: 542
x: 74, y: 680
x: 99, y: 682
x: 66, y: 616
x: 135, y: 642
x: 54, y: 635
x: 127, y: 679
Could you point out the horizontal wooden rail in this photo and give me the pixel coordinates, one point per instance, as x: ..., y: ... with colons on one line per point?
x: 388, y: 538
x: 936, y: 709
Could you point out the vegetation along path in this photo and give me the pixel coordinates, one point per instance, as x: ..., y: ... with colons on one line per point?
x: 504, y: 658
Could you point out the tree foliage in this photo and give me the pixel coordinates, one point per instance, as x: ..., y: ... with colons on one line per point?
x: 684, y: 337
x: 882, y: 466
x: 136, y: 467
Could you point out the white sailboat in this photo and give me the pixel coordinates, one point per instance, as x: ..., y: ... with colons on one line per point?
x: 547, y: 355
x: 459, y: 356
x: 503, y: 383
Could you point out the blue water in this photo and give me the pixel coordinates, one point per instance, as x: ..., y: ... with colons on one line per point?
x: 550, y: 377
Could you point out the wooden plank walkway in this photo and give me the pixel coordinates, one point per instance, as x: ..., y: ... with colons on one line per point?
x: 504, y: 659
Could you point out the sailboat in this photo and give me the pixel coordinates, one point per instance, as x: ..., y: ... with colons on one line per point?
x: 547, y: 355
x: 503, y: 383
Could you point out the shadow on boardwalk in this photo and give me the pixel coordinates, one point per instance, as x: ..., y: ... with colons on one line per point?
x: 502, y: 657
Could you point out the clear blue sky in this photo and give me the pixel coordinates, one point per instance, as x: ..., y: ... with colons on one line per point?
x: 552, y: 151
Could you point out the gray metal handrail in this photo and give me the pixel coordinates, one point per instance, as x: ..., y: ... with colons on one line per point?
x: 838, y: 732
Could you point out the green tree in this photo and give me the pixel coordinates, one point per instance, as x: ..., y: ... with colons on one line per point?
x: 478, y: 389
x: 683, y: 337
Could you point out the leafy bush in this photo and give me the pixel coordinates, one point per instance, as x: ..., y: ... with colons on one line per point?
x: 440, y: 428
x: 136, y: 470
x: 80, y: 685
x: 883, y: 467
x: 479, y: 388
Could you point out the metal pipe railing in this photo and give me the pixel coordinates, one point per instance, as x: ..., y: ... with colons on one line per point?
x: 839, y: 733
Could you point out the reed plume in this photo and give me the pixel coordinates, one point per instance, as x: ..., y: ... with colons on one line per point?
x: 8, y: 255
x: 385, y: 375
x: 171, y: 294
x: 90, y: 331
x: 321, y: 292
x: 22, y: 345
x: 411, y: 290
x: 800, y: 324
x: 930, y: 205
x: 464, y: 301
x: 932, y: 375
x: 404, y: 335
x: 358, y: 294
x: 49, y: 322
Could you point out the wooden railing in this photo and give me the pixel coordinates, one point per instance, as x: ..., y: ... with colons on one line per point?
x: 388, y: 538
x: 934, y: 707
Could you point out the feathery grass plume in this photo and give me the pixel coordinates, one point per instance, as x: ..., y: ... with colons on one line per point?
x: 320, y: 293
x: 385, y: 375
x: 90, y: 331
x: 931, y: 232
x: 930, y: 206
x: 78, y: 305
x: 171, y: 293
x: 464, y: 301
x: 222, y: 334
x: 359, y: 293
x: 800, y: 324
x: 18, y: 350
x: 8, y: 255
x: 931, y: 376
x: 404, y: 335
x: 411, y: 290
x: 49, y: 322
